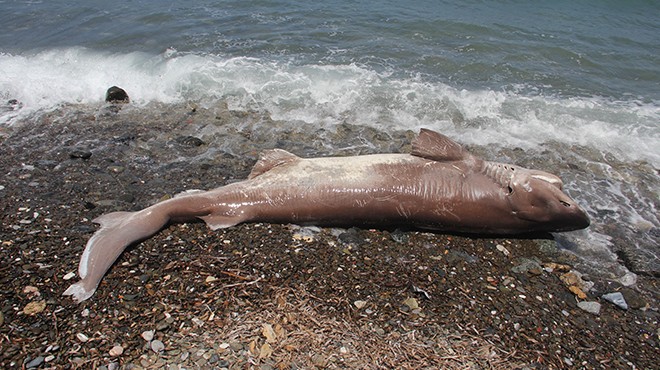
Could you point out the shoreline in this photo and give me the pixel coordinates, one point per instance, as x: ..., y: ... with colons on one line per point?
x: 393, y: 297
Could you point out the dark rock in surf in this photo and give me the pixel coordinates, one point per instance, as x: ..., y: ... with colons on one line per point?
x: 116, y: 95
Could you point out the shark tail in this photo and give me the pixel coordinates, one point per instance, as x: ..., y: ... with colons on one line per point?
x: 118, y: 231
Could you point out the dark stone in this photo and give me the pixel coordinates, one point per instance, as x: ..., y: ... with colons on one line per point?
x: 350, y: 237
x: 399, y: 236
x: 116, y: 95
x: 634, y: 299
x: 189, y: 141
x: 125, y: 138
x: 455, y: 257
x: 128, y: 198
x: 80, y: 153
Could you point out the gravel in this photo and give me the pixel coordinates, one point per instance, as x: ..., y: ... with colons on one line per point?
x: 267, y: 295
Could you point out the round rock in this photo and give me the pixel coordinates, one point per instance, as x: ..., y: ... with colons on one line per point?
x: 116, y: 351
x: 116, y: 95
x: 157, y: 346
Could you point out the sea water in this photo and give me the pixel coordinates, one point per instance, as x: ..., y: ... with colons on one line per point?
x: 567, y: 81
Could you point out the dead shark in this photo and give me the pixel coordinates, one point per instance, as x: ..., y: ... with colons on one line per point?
x: 438, y: 186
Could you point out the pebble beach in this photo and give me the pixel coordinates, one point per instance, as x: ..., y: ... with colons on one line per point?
x: 270, y: 296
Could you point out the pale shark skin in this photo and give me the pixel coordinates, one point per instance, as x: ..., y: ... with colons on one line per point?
x: 438, y: 186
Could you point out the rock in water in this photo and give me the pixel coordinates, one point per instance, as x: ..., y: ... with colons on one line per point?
x: 116, y: 95
x: 617, y: 299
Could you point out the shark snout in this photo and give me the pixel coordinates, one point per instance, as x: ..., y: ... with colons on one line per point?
x: 576, y: 217
x: 570, y: 213
x: 545, y: 204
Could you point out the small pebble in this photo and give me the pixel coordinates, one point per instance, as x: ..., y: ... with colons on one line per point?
x: 34, y: 363
x: 210, y: 279
x: 235, y: 346
x: 116, y: 351
x: 157, y: 346
x: 617, y: 299
x: 34, y: 308
x: 148, y: 335
x: 591, y: 307
x: 411, y: 303
x: 319, y: 360
x: 502, y: 249
x: 79, y: 153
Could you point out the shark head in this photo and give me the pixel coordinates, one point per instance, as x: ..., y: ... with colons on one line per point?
x: 537, y: 197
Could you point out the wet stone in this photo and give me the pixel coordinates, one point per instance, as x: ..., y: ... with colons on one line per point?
x: 80, y: 154
x: 189, y: 141
x: 350, y: 237
x: 527, y: 265
x: 116, y: 95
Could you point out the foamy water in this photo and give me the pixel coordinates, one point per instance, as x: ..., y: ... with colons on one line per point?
x: 327, y: 95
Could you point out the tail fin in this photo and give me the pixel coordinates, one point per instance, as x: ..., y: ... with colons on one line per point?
x: 118, y: 231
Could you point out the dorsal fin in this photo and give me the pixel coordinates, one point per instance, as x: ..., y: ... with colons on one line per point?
x: 270, y: 159
x: 436, y: 146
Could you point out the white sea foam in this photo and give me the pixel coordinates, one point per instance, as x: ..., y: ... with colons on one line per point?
x: 330, y: 94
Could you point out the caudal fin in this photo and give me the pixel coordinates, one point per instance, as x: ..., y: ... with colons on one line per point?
x: 118, y: 231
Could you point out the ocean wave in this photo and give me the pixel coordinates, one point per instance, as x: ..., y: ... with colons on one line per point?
x: 332, y: 94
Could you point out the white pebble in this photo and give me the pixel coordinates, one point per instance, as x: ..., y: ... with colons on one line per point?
x: 157, y: 346
x: 360, y: 304
x: 116, y: 351
x: 148, y: 335
x: 502, y: 249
